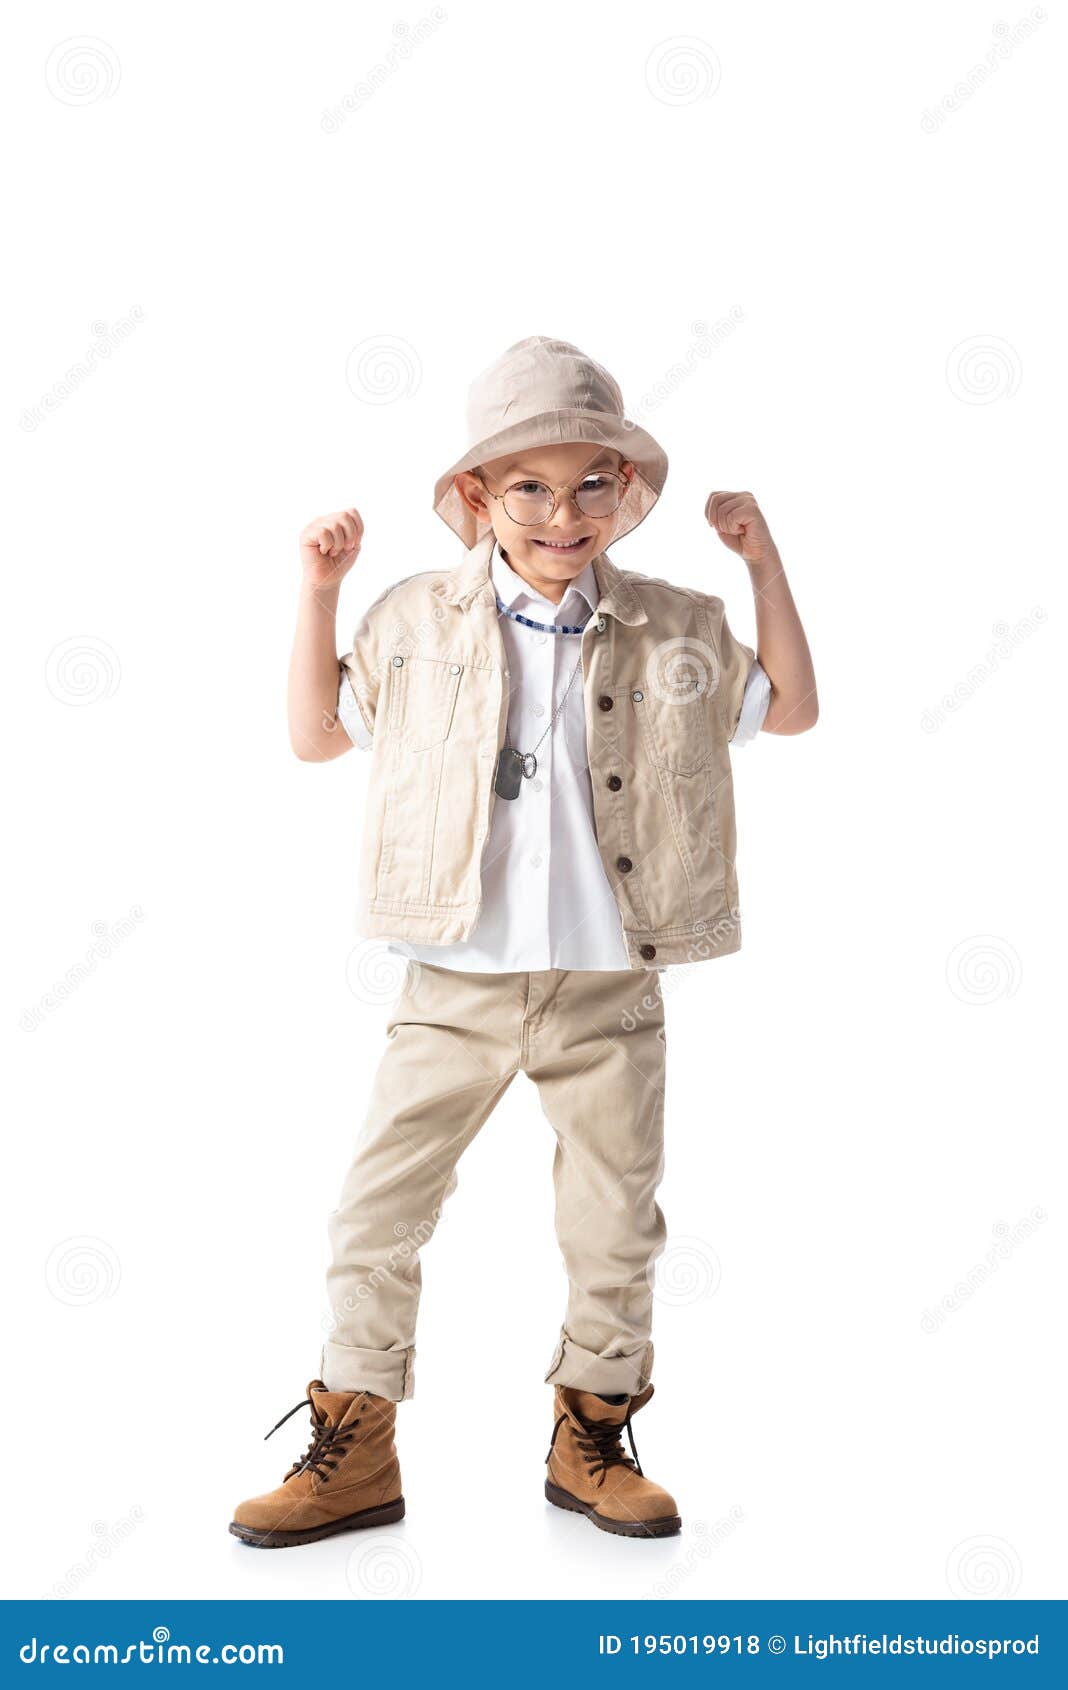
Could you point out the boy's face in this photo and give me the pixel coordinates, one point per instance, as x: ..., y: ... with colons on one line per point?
x: 549, y: 551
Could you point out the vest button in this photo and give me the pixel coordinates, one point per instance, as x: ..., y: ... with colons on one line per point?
x: 604, y: 702
x: 647, y: 952
x: 624, y: 865
x: 613, y: 783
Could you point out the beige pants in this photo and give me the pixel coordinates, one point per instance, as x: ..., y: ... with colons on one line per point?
x: 593, y: 1043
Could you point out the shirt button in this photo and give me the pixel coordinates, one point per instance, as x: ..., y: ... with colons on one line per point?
x: 637, y: 695
x: 601, y: 624
x: 647, y: 952
x: 537, y: 784
x: 624, y: 865
x: 613, y: 783
x: 604, y: 702
x: 535, y: 861
x: 454, y: 668
x: 397, y: 661
x: 538, y: 709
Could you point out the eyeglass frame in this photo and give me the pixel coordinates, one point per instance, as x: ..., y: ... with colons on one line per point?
x: 564, y: 487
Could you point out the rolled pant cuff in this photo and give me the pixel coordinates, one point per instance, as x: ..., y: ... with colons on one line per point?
x: 385, y: 1373
x: 607, y: 1376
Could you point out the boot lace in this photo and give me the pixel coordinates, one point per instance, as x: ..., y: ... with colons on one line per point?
x: 602, y: 1445
x: 329, y: 1444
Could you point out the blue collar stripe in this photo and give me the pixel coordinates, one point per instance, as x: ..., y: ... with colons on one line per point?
x: 542, y: 627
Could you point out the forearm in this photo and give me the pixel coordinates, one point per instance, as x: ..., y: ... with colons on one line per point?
x: 782, y: 650
x: 315, y: 733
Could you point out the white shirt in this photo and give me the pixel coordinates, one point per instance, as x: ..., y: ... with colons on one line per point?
x: 546, y: 900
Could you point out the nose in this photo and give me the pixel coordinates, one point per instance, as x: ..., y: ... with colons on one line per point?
x: 566, y: 507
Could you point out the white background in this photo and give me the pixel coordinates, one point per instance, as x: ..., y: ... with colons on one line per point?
x: 861, y: 1104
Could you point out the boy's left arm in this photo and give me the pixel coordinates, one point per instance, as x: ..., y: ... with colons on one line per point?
x: 782, y: 649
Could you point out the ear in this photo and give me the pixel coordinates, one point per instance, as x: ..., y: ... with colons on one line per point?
x: 473, y: 494
x: 626, y: 470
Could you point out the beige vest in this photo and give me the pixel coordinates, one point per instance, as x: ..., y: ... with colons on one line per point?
x: 663, y: 679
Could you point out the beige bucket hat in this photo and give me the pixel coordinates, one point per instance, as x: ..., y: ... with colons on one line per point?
x: 545, y: 392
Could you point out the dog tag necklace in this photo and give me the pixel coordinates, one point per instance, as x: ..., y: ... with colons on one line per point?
x: 514, y: 766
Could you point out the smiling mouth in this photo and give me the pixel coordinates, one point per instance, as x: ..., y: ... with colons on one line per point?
x: 564, y: 546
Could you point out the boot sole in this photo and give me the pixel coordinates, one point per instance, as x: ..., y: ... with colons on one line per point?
x: 669, y: 1525
x: 384, y: 1515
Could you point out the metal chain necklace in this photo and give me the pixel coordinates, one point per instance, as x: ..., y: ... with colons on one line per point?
x: 514, y: 766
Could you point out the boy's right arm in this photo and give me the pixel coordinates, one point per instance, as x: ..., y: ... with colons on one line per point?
x: 329, y: 546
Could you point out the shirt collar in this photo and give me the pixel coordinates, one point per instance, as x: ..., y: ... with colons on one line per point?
x: 511, y: 587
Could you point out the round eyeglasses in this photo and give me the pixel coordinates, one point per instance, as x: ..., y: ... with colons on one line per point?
x: 528, y: 503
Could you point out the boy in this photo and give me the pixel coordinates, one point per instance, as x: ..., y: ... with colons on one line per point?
x: 549, y: 825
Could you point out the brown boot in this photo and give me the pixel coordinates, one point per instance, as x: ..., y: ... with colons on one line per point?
x: 349, y: 1478
x: 589, y: 1473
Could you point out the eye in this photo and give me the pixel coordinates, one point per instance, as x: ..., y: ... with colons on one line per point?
x: 593, y: 483
x: 528, y: 487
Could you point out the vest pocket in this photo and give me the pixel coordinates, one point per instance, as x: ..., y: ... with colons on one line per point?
x: 678, y: 731
x: 422, y: 699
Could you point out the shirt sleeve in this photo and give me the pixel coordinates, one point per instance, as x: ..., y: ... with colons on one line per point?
x: 755, y: 701
x: 350, y: 715
x: 360, y: 679
x: 734, y: 659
